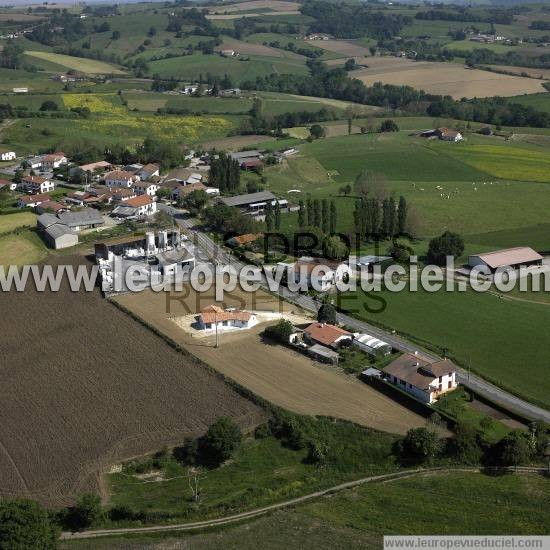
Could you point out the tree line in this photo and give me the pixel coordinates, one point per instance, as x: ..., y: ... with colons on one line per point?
x: 335, y: 84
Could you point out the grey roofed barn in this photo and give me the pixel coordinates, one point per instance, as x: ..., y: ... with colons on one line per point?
x: 89, y: 216
x: 46, y: 220
x: 250, y: 198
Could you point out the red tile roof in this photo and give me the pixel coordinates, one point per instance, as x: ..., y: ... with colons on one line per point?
x: 325, y: 334
x: 34, y: 179
x: 119, y: 175
x: 215, y: 314
x: 141, y: 200
x: 28, y: 199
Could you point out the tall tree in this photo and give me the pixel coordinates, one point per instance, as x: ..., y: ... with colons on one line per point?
x: 317, y: 213
x: 301, y: 215
x: 392, y: 225
x: 269, y: 219
x: 310, y: 215
x: 333, y: 217
x: 402, y: 216
x: 325, y: 216
x: 277, y: 216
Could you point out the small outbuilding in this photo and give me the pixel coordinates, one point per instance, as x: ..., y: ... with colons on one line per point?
x: 323, y: 354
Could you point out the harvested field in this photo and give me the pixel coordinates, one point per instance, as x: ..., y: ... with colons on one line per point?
x: 80, y: 64
x: 229, y: 16
x: 533, y: 73
x: 278, y: 374
x: 235, y: 142
x: 274, y: 5
x: 90, y: 388
x: 346, y: 48
x: 444, y: 78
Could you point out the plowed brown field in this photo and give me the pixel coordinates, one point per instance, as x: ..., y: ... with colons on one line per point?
x: 83, y: 386
x: 276, y: 373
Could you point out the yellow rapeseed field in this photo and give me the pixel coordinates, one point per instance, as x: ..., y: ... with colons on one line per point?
x: 506, y: 162
x: 112, y: 117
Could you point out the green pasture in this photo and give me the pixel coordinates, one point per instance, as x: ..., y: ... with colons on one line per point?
x: 501, y: 339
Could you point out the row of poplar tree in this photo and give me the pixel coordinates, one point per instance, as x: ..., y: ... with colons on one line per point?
x: 318, y: 213
x: 376, y: 219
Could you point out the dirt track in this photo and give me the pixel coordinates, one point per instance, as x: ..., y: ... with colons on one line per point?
x: 84, y: 387
x: 280, y: 375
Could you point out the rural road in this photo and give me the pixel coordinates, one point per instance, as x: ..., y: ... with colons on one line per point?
x: 477, y: 384
x: 287, y: 503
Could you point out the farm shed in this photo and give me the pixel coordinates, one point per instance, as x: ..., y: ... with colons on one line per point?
x: 512, y: 257
x: 323, y: 354
x: 370, y: 344
x: 326, y: 335
x: 60, y: 236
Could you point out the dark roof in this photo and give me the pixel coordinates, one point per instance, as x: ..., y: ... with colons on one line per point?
x: 88, y: 216
x: 250, y: 198
x: 58, y: 230
x: 45, y: 220
x: 417, y: 372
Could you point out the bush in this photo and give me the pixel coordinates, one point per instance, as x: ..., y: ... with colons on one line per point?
x: 448, y: 244
x: 420, y: 445
x: 281, y: 331
x: 49, y: 106
x: 25, y: 524
x: 221, y: 440
x: 88, y: 512
x: 389, y: 126
x: 327, y: 314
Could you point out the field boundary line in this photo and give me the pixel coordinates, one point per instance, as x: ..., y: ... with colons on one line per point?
x: 292, y: 502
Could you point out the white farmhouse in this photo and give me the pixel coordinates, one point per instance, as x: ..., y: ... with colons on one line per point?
x: 214, y: 317
x: 6, y: 154
x: 54, y: 160
x: 36, y: 184
x: 425, y: 381
x: 146, y: 188
x: 120, y: 178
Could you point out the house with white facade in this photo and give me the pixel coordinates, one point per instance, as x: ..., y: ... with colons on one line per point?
x: 54, y: 160
x: 319, y: 273
x: 30, y: 201
x: 138, y: 207
x: 6, y: 184
x: 146, y: 188
x: 148, y: 171
x: 214, y: 317
x: 423, y: 380
x: 35, y: 184
x: 121, y: 178
x: 6, y: 154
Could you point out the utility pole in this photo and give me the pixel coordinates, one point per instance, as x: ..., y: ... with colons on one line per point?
x: 217, y: 345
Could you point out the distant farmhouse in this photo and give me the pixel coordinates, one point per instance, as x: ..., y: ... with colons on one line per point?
x: 444, y: 134
x: 36, y: 184
x: 6, y: 154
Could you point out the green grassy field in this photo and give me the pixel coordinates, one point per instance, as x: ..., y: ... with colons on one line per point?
x: 447, y: 193
x: 540, y: 102
x: 23, y: 249
x: 279, y: 472
x: 499, y: 337
x: 239, y: 69
x: 358, y: 518
x: 81, y: 64
x: 13, y: 221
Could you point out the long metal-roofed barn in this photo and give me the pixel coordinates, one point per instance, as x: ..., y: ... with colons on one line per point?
x: 512, y: 257
x: 254, y: 203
